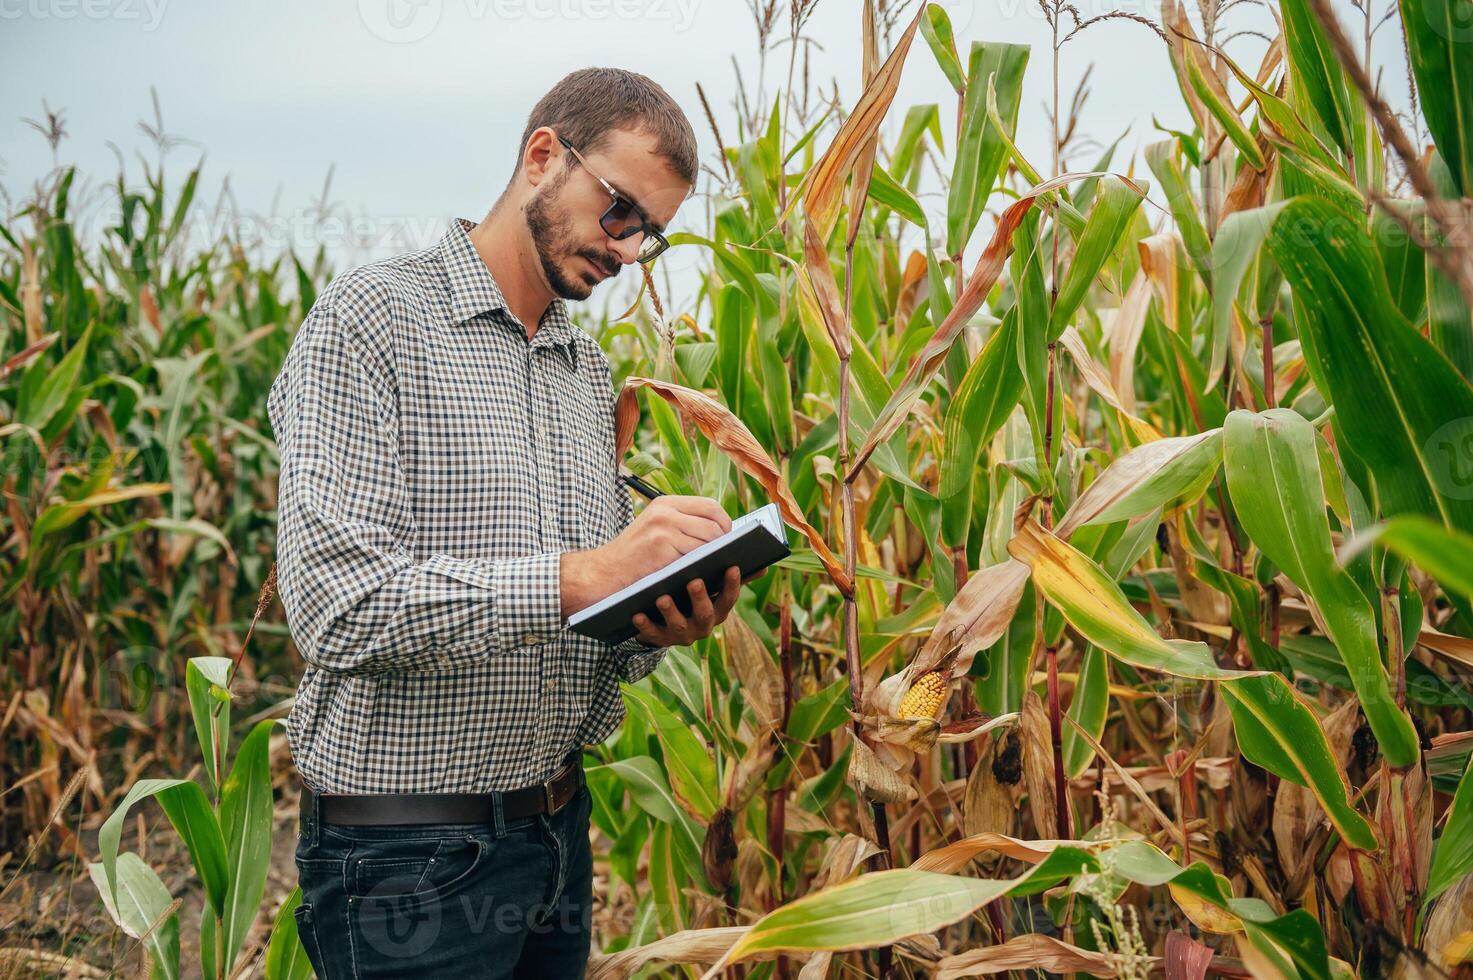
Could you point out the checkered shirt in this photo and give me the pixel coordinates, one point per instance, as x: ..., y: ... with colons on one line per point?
x: 434, y: 464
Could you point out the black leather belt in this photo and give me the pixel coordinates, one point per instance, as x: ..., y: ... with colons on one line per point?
x: 427, y: 808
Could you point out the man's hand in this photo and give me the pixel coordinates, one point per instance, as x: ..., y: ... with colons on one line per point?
x: 680, y: 629
x: 667, y: 527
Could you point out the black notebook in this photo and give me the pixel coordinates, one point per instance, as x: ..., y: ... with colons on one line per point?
x: 756, y: 540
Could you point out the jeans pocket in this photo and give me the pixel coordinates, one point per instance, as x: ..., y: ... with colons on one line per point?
x: 387, y: 869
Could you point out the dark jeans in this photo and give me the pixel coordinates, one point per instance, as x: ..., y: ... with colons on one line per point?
x: 513, y: 898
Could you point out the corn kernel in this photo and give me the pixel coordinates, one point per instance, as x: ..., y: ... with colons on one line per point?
x: 925, y: 697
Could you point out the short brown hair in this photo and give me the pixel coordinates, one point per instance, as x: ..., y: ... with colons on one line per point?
x: 587, y: 104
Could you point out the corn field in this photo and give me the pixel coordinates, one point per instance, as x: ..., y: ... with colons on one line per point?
x: 1129, y: 625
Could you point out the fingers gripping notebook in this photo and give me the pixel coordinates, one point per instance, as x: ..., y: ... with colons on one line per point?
x: 756, y: 540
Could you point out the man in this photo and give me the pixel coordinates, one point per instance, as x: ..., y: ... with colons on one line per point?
x: 448, y: 497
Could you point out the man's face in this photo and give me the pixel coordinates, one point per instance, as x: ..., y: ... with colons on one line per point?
x: 575, y: 252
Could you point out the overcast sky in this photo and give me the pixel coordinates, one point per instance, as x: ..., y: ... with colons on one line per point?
x: 417, y: 105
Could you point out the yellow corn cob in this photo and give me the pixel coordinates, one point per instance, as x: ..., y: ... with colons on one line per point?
x: 925, y: 697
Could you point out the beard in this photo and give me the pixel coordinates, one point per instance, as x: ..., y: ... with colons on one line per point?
x: 555, y: 242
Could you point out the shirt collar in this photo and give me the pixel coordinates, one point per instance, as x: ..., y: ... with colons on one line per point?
x: 473, y: 291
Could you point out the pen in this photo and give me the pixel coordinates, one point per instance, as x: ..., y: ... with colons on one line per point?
x: 642, y: 487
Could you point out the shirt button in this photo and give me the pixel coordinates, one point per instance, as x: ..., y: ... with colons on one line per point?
x: 552, y: 684
x: 531, y: 639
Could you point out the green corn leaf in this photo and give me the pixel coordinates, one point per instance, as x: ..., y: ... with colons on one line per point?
x: 1104, y: 228
x: 981, y: 152
x: 1214, y: 97
x: 688, y: 761
x: 1094, y: 605
x: 1089, y: 706
x: 213, y: 730
x: 1445, y: 555
x: 882, y: 907
x: 245, y: 819
x: 1161, y: 158
x: 989, y: 391
x: 42, y: 400
x: 1273, y: 476
x: 1274, y: 728
x: 286, y: 958
x: 1317, y: 75
x: 936, y: 29
x: 645, y: 781
x: 1437, y: 36
x: 1162, y: 474
x: 1452, y: 857
x: 135, y: 898
x: 187, y: 809
x: 1398, y: 401
x: 1279, y: 732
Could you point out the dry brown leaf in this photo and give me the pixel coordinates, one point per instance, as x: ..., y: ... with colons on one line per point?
x: 1038, y: 765
x: 1214, y: 772
x: 1099, y: 381
x: 873, y: 779
x: 751, y: 873
x: 1030, y: 952
x: 731, y: 436
x: 953, y: 857
x: 975, y: 618
x: 825, y: 290
x: 150, y: 308
x: 746, y: 777
x: 1296, y: 811
x: 916, y: 734
x: 864, y: 166
x: 1250, y: 186
x: 823, y: 184
x: 1160, y: 256
x: 844, y: 858
x: 1186, y: 959
x: 1448, y: 939
x: 1454, y: 649
x: 913, y: 287
x: 759, y: 675
x: 1131, y: 783
x: 27, y: 355
x: 987, y: 805
x: 1126, y: 328
x: 688, y: 946
x: 984, y: 274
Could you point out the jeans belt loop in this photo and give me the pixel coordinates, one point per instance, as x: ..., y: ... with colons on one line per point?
x: 310, y: 816
x: 498, y: 816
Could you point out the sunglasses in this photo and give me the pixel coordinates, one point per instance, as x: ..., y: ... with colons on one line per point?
x: 623, y: 217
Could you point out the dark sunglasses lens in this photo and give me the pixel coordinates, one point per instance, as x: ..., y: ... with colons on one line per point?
x: 652, y: 246
x: 620, y: 220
